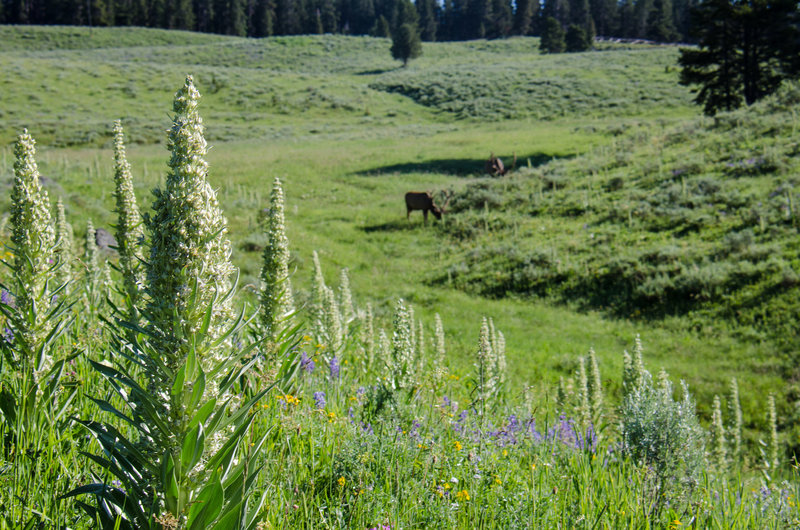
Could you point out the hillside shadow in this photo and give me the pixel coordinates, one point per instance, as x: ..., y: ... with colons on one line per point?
x: 459, y: 167
x: 400, y: 225
x: 376, y: 71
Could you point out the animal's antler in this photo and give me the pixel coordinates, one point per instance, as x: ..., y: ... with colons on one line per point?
x: 448, y: 194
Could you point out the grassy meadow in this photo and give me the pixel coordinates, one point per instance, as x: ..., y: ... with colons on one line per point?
x: 627, y: 214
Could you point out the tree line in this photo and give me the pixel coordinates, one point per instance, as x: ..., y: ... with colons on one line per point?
x: 442, y: 20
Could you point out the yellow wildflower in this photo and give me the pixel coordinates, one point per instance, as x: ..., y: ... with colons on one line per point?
x: 341, y: 482
x: 462, y: 495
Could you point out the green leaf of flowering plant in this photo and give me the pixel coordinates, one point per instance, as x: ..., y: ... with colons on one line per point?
x: 147, y: 405
x: 203, y: 413
x: 193, y: 448
x: 198, y: 388
x: 230, y: 520
x: 169, y: 479
x: 208, y: 505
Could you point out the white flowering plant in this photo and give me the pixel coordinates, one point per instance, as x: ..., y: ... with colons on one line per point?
x: 187, y: 457
x: 33, y: 400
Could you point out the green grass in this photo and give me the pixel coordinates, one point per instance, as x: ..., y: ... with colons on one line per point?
x: 316, y: 112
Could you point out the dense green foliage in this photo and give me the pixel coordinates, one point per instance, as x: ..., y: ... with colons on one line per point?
x: 746, y: 50
x: 658, y: 20
x: 713, y: 223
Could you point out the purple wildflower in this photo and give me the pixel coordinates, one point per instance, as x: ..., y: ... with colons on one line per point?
x: 566, y: 433
x: 319, y: 400
x: 334, y: 368
x: 306, y: 363
x: 589, y: 442
x: 8, y: 335
x: 533, y: 431
x: 5, y: 298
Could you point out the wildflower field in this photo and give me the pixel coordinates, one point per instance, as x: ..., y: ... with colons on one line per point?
x: 268, y: 343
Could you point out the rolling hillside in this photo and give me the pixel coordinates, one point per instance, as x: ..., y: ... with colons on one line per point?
x: 610, y: 227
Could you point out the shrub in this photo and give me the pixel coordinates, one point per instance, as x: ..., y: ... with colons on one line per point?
x: 665, y: 437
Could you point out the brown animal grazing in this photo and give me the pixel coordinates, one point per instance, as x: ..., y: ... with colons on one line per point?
x: 423, y: 200
x: 495, y: 167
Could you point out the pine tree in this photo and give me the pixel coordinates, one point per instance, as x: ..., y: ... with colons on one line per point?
x: 478, y: 18
x: 204, y: 14
x: 580, y: 14
x: 362, y: 16
x: 526, y: 11
x: 263, y: 20
x: 237, y: 21
x: 641, y: 12
x: 180, y: 15
x: 328, y: 15
x: 406, y: 44
x: 427, y: 19
x: 404, y: 12
x: 287, y: 18
x: 625, y: 21
x: 501, y: 20
x: 557, y: 9
x: 714, y: 65
x: 448, y: 25
x: 552, y: 40
x: 382, y: 28
x: 576, y: 39
x: 660, y: 24
x: 603, y: 15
